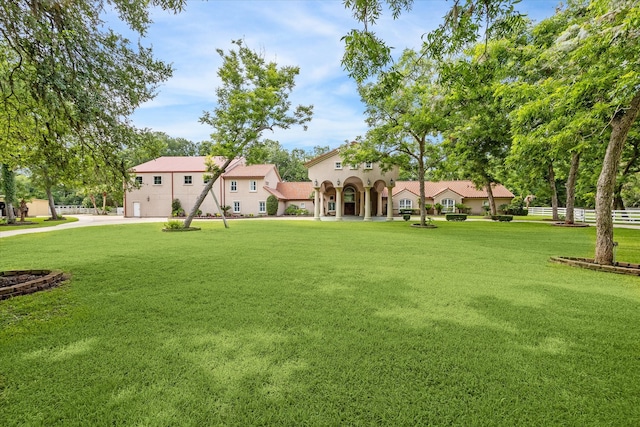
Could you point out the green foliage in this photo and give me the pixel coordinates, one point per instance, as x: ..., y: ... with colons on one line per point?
x: 438, y: 207
x: 174, y: 224
x: 456, y: 217
x: 176, y: 208
x: 272, y: 205
x: 406, y: 217
x: 295, y: 210
x: 502, y: 218
x: 462, y: 208
x: 253, y: 97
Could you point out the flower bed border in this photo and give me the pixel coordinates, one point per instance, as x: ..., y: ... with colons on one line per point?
x: 618, y: 267
x: 48, y: 279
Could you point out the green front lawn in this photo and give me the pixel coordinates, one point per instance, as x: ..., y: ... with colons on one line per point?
x: 321, y: 323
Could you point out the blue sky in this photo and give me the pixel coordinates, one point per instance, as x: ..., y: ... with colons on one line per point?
x: 305, y: 33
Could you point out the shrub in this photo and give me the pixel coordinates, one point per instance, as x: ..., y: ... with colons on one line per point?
x: 438, y: 207
x: 456, y: 217
x: 502, y: 218
x: 173, y: 224
x: 272, y: 205
x: 176, y: 208
x: 463, y: 209
x: 406, y: 217
x: 291, y: 210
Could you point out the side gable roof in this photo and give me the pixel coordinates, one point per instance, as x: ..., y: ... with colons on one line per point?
x: 251, y: 171
x: 182, y: 164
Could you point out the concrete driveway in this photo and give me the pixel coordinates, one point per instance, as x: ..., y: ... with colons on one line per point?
x: 83, y: 221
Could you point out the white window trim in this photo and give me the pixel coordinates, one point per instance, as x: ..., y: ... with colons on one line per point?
x: 446, y: 207
x: 236, y: 203
x: 368, y: 165
x: 154, y: 180
x: 139, y: 180
x: 184, y: 180
x: 262, y: 206
x: 233, y: 186
x: 400, y: 204
x: 302, y: 205
x: 338, y: 165
x: 253, y: 186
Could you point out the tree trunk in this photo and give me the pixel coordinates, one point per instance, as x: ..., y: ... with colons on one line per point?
x: 554, y: 192
x: 104, y: 203
x: 620, y: 126
x: 571, y: 187
x: 9, y: 187
x: 423, y: 210
x: 93, y: 202
x: 205, y: 190
x: 52, y: 203
x: 492, y: 201
x: 618, y: 203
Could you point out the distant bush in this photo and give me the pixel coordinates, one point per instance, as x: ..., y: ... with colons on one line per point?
x: 295, y: 210
x: 502, y: 218
x: 176, y: 208
x: 173, y: 224
x: 272, y: 205
x: 456, y: 217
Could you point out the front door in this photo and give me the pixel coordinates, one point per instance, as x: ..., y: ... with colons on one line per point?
x: 350, y: 208
x: 136, y: 209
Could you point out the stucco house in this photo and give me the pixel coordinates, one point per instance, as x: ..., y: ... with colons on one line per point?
x: 335, y: 189
x: 448, y: 194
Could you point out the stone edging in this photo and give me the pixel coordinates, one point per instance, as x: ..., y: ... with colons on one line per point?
x: 618, y: 267
x: 47, y: 279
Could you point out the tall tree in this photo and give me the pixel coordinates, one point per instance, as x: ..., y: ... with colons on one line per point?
x: 404, y: 123
x: 253, y: 98
x: 80, y: 80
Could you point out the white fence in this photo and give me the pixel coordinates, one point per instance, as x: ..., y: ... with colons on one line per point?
x: 73, y: 209
x: 629, y: 216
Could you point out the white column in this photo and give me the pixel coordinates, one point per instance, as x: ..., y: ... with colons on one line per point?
x: 367, y: 203
x: 316, y: 203
x: 389, y: 204
x: 321, y: 204
x: 379, y: 213
x: 361, y: 213
x: 338, y: 203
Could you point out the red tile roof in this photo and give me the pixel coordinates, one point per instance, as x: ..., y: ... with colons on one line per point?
x: 293, y: 190
x: 251, y: 171
x: 182, y: 164
x: 464, y: 188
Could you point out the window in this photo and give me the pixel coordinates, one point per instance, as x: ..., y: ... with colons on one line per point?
x: 234, y: 185
x: 332, y: 206
x: 338, y: 165
x: 188, y: 180
x: 349, y: 195
x: 448, y: 205
x: 262, y: 207
x: 406, y: 204
x: 303, y: 205
x: 157, y: 180
x: 353, y: 166
x: 139, y: 180
x: 253, y: 186
x: 368, y: 165
x: 236, y: 207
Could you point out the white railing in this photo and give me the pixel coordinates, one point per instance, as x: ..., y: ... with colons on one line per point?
x: 629, y: 216
x: 73, y: 209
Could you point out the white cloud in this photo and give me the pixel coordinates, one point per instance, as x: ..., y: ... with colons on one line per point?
x: 301, y: 33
